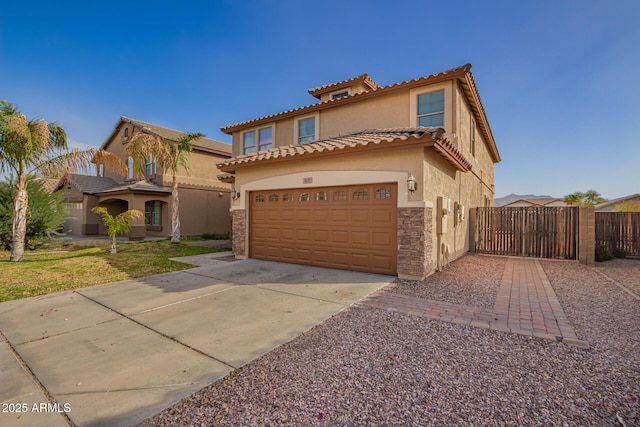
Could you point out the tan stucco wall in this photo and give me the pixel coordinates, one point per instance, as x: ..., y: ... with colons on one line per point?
x: 435, y: 176
x: 203, y: 211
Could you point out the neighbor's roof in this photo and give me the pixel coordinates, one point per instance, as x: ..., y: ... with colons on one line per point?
x: 89, y: 184
x: 616, y: 201
x: 352, y: 141
x: 202, y: 144
x: 135, y: 187
x: 463, y: 74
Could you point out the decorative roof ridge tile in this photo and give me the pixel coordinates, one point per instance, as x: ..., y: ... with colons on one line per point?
x: 364, y: 78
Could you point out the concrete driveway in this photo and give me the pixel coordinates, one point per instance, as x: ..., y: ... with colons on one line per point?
x: 118, y: 353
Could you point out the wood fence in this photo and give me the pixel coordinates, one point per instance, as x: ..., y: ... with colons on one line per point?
x: 619, y: 230
x: 528, y: 231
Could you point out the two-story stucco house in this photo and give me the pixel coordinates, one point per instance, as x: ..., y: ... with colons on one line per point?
x: 368, y: 178
x: 204, y: 199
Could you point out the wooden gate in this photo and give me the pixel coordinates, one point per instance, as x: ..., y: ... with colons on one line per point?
x: 619, y: 230
x: 528, y: 231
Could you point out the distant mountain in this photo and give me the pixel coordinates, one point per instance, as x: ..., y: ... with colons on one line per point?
x: 501, y: 201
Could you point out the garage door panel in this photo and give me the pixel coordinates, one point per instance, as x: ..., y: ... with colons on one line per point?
x: 360, y: 237
x: 382, y: 239
x: 341, y: 231
x: 360, y: 215
x: 340, y: 236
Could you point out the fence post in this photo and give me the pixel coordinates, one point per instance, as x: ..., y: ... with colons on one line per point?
x: 587, y: 235
x: 473, y: 230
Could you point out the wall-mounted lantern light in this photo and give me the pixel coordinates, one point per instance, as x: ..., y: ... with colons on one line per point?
x: 411, y: 184
x: 234, y: 194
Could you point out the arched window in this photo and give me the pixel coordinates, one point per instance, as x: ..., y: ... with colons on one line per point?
x: 383, y: 193
x: 321, y: 195
x: 360, y: 195
x: 340, y: 195
x: 259, y: 198
x: 273, y: 198
x: 303, y: 197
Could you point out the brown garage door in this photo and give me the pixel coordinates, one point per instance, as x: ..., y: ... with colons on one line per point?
x: 351, y: 227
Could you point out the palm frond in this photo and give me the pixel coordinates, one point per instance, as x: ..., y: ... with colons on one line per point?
x: 142, y: 146
x: 71, y: 161
x: 109, y: 161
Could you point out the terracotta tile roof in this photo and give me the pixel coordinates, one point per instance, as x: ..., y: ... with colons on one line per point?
x: 362, y: 78
x: 346, y: 99
x: 463, y: 73
x: 356, y: 140
x: 204, y: 144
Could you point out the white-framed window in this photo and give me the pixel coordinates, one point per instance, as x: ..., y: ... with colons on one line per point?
x: 306, y: 129
x: 150, y: 166
x: 130, y: 168
x: 430, y: 108
x: 257, y: 140
x: 153, y: 213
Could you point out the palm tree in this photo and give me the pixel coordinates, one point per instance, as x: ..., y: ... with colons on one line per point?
x: 32, y: 148
x: 167, y: 155
x: 573, y: 198
x: 117, y: 225
x: 592, y: 198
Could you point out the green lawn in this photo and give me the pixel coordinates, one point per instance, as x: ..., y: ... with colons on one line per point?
x: 58, y: 269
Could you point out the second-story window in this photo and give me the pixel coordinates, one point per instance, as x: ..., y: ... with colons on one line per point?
x: 130, y: 168
x: 306, y: 130
x: 259, y: 140
x: 431, y: 109
x: 150, y: 166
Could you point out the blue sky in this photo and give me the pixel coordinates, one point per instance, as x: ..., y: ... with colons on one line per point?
x: 557, y: 78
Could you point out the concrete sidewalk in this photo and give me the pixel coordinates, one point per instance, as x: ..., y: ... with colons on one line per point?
x: 118, y: 353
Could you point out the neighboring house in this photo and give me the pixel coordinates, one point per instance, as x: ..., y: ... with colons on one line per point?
x: 369, y: 178
x: 204, y: 199
x: 546, y: 202
x: 610, y: 205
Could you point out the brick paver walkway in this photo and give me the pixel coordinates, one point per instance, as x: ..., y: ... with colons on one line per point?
x: 525, y: 304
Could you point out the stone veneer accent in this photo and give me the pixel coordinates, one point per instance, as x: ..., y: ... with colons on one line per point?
x: 238, y: 230
x: 415, y: 247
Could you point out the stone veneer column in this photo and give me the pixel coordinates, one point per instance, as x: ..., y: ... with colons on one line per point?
x: 415, y: 247
x: 238, y: 230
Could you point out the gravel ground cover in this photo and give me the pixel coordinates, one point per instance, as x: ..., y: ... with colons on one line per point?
x: 457, y: 285
x: 625, y: 271
x: 374, y: 367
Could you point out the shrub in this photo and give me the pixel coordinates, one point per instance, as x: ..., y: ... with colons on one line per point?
x: 45, y: 216
x: 603, y: 254
x: 619, y: 253
x: 215, y: 236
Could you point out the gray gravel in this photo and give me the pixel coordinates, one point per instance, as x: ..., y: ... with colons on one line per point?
x: 625, y: 271
x: 457, y: 285
x: 372, y: 367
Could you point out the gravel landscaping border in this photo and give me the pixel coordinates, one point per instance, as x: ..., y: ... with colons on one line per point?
x: 368, y: 366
